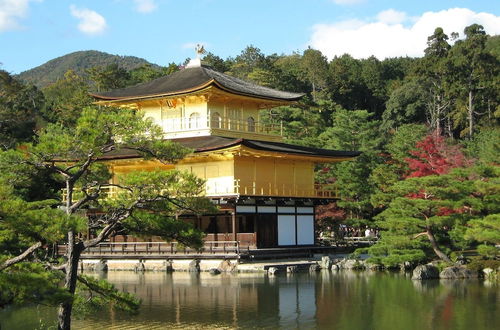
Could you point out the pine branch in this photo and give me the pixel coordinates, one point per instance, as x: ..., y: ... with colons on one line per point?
x: 21, y: 257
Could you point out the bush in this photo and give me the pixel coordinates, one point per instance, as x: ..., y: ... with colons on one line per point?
x: 480, y: 264
x: 488, y: 251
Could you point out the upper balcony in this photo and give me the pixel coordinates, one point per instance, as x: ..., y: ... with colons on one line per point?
x: 198, y: 125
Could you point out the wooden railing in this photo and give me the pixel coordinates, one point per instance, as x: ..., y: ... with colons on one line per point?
x: 107, y: 192
x: 286, y: 190
x: 158, y: 249
x: 174, y: 125
x: 248, y: 189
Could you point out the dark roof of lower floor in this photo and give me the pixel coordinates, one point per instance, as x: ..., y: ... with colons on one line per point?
x: 213, y: 143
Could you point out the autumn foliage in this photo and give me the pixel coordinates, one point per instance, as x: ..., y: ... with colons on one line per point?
x: 433, y: 156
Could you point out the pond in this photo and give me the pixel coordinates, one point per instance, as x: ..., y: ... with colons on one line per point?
x: 323, y: 300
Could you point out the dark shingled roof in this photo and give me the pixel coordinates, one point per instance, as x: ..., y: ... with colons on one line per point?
x: 211, y: 143
x: 192, y: 79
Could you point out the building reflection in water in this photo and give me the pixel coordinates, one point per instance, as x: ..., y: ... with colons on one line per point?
x: 224, y: 300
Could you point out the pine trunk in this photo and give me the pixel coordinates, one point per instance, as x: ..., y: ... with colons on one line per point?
x: 436, y: 248
x: 471, y: 114
x: 72, y: 257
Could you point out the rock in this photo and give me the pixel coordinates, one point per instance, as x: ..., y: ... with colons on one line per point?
x: 335, y: 267
x: 455, y: 272
x: 315, y: 268
x: 462, y: 260
x: 351, y: 264
x: 272, y: 271
x: 169, y: 266
x: 326, y: 262
x: 425, y: 272
x: 375, y: 266
x: 291, y: 269
x: 194, y: 266
x: 404, y: 266
x: 101, y: 266
x: 214, y: 271
x: 139, y: 267
x: 227, y: 266
x: 488, y: 272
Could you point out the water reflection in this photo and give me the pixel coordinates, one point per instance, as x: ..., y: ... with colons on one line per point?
x: 325, y: 300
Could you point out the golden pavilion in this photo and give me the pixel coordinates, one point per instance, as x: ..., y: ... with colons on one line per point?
x: 265, y: 189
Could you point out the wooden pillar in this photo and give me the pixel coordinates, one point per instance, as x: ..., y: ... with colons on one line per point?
x: 233, y: 225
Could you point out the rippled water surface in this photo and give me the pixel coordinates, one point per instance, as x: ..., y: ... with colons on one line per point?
x: 324, y: 300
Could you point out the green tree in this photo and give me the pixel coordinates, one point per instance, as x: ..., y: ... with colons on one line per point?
x: 485, y: 145
x: 473, y: 81
x: 315, y: 69
x: 429, y: 215
x: 66, y: 98
x: 249, y: 59
x: 346, y: 85
x: 215, y: 62
x: 372, y: 74
x: 147, y: 72
x: 430, y: 72
x: 406, y: 104
x: 108, y: 77
x: 20, y: 107
x: 145, y: 203
x: 355, y: 131
x: 394, y: 167
x: 486, y: 231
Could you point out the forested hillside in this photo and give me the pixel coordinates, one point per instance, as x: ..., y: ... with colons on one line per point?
x: 78, y: 62
x: 428, y: 129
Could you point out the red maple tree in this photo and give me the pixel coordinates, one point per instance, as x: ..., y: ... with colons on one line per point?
x: 434, y: 156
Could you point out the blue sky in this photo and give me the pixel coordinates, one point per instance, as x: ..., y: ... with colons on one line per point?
x: 163, y: 31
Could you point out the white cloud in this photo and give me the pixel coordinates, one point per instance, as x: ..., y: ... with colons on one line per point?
x: 387, y: 37
x: 11, y: 11
x: 347, y: 2
x: 391, y: 16
x: 91, y: 22
x: 145, y: 6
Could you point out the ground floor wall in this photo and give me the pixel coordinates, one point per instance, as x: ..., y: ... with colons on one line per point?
x: 253, y: 223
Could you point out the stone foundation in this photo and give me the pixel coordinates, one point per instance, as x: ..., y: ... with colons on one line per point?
x: 158, y: 265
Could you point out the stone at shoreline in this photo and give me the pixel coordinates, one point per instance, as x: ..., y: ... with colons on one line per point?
x: 214, y: 271
x: 404, y: 266
x: 272, y: 270
x: 351, y: 264
x: 455, y: 272
x: 194, y: 266
x: 487, y: 272
x: 425, y: 272
x: 375, y: 266
x: 139, y: 267
x: 227, y: 266
x: 326, y: 262
x: 169, y: 267
x: 101, y: 266
x: 315, y: 268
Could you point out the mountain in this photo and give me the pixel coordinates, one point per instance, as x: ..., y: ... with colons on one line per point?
x: 52, y: 70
